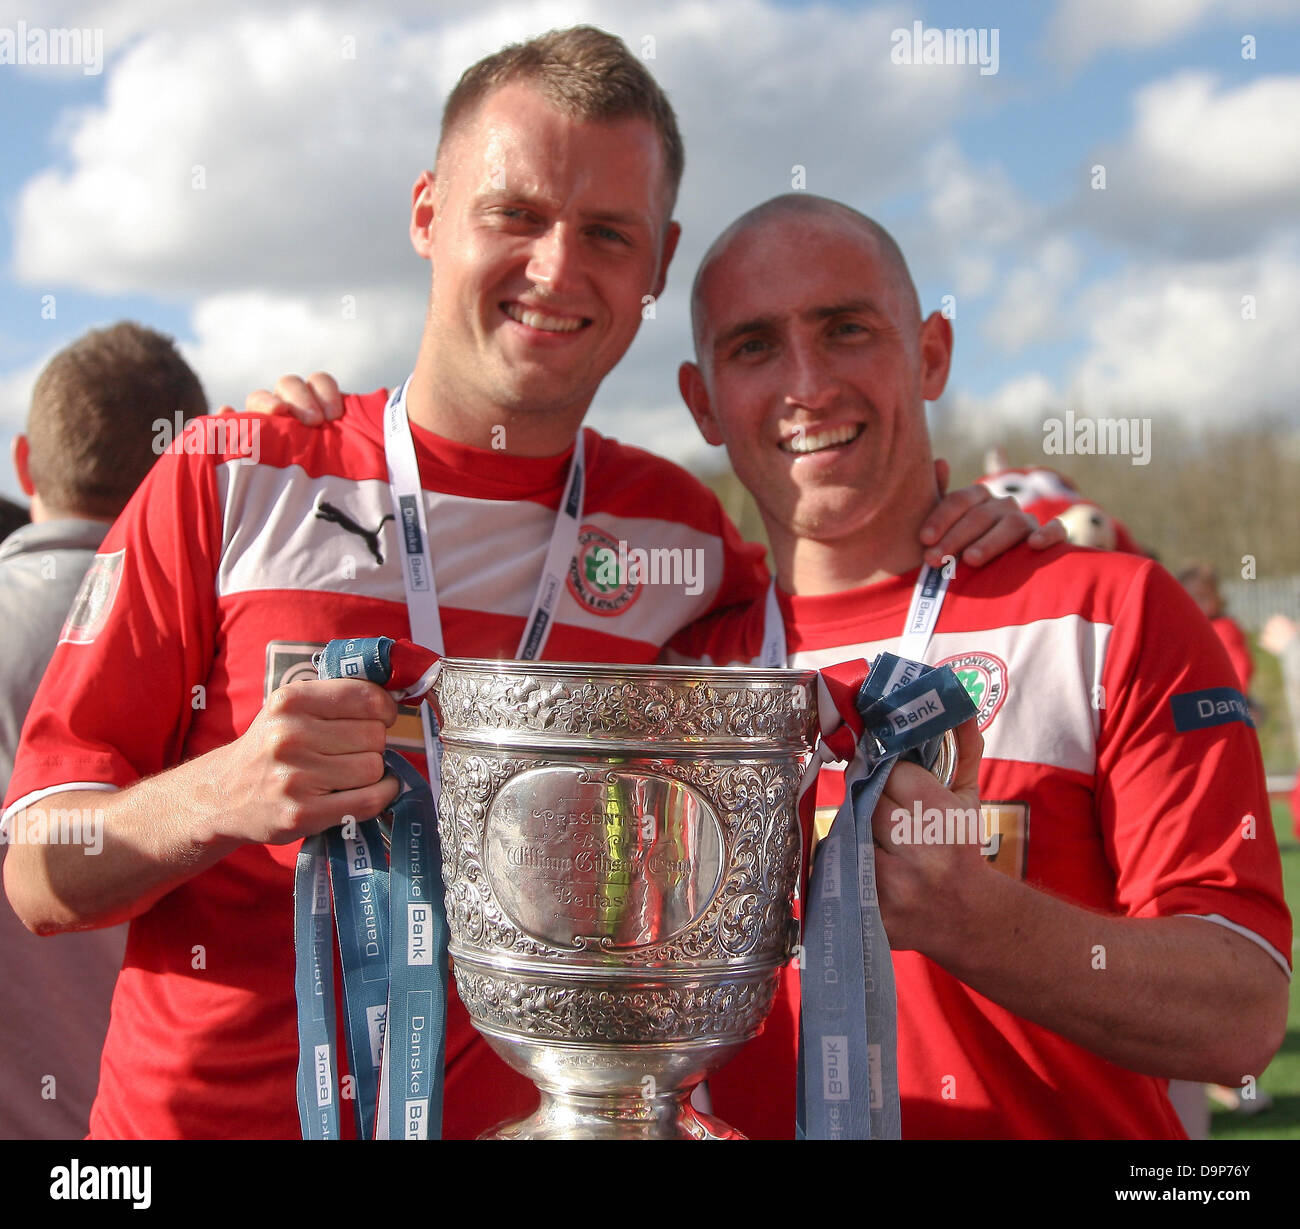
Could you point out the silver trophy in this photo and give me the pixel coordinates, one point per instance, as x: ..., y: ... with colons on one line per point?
x: 620, y: 849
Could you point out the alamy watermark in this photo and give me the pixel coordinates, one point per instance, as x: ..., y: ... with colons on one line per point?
x: 125, y: 1183
x: 23, y: 44
x: 950, y: 826
x: 1099, y: 437
x: 931, y: 45
x: 211, y: 435
x: 682, y: 567
x: 38, y: 825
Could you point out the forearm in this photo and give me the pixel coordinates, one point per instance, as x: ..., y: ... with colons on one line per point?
x: 1174, y: 997
x: 132, y: 847
x: 312, y: 758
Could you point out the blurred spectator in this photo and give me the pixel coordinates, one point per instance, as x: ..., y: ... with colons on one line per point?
x: 1281, y: 637
x: 1202, y: 582
x: 12, y: 516
x: 90, y: 441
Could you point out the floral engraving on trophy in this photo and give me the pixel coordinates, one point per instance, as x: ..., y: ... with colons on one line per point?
x: 701, y: 1009
x: 633, y: 709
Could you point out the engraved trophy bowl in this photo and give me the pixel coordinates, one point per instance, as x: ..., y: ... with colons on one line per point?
x: 620, y: 853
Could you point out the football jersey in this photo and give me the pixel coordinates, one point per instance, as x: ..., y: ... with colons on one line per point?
x: 249, y: 546
x: 1119, y: 773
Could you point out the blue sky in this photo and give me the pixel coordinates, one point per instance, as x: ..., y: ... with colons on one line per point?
x: 1066, y: 296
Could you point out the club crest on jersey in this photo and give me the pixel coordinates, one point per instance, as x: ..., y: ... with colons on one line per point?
x: 94, y: 600
x: 595, y: 579
x: 985, y: 679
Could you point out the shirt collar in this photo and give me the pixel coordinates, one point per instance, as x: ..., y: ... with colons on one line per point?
x: 63, y: 533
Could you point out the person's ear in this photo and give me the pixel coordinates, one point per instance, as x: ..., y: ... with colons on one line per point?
x: 936, y: 355
x: 695, y: 392
x: 422, y: 214
x: 21, y: 452
x: 670, y: 246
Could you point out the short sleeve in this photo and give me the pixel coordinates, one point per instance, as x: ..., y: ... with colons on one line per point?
x: 1182, y: 800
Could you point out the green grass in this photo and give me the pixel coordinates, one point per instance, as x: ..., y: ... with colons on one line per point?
x: 1282, y: 1079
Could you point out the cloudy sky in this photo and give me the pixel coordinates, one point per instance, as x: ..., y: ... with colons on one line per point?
x: 232, y: 179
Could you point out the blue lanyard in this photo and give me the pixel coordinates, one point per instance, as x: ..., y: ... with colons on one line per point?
x: 392, y: 931
x: 417, y: 990
x: 848, y: 1060
x: 392, y: 924
x: 318, y: 1109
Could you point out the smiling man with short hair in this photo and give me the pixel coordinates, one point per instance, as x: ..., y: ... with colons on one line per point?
x: 1127, y: 925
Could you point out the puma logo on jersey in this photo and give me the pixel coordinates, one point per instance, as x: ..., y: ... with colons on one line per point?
x: 336, y: 516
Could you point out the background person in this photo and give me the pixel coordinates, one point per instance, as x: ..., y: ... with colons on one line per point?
x: 1202, y: 583
x: 1280, y: 635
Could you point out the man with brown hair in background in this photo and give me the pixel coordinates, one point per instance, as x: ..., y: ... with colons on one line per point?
x: 90, y: 441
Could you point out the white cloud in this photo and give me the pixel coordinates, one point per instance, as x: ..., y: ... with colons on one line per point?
x: 1173, y: 337
x: 970, y: 213
x: 1079, y: 29
x: 123, y: 22
x: 1204, y: 171
x: 237, y: 157
x: 246, y: 340
x: 1019, y: 402
x: 1032, y: 304
x: 1230, y: 148
x: 306, y: 158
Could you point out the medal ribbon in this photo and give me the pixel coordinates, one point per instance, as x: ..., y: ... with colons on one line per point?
x: 848, y: 1068
x: 397, y: 911
x: 849, y: 1027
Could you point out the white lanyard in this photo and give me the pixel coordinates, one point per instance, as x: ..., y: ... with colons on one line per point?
x: 422, y: 592
x: 413, y: 532
x: 417, y: 563
x: 922, y: 616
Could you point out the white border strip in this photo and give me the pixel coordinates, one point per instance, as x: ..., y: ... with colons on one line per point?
x: 36, y: 795
x: 1220, y: 920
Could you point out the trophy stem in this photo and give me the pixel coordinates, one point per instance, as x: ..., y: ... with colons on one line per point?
x: 568, y: 1115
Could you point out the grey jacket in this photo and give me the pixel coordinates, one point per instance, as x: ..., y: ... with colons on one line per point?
x: 41, y: 567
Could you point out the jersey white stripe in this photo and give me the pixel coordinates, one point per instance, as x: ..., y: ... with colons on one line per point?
x: 1072, y: 692
x: 275, y: 539
x: 1018, y: 731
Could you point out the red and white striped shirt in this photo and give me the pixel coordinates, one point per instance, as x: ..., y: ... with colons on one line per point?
x: 1122, y: 778
x: 221, y: 578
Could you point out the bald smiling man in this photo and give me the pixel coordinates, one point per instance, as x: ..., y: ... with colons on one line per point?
x: 1127, y: 924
